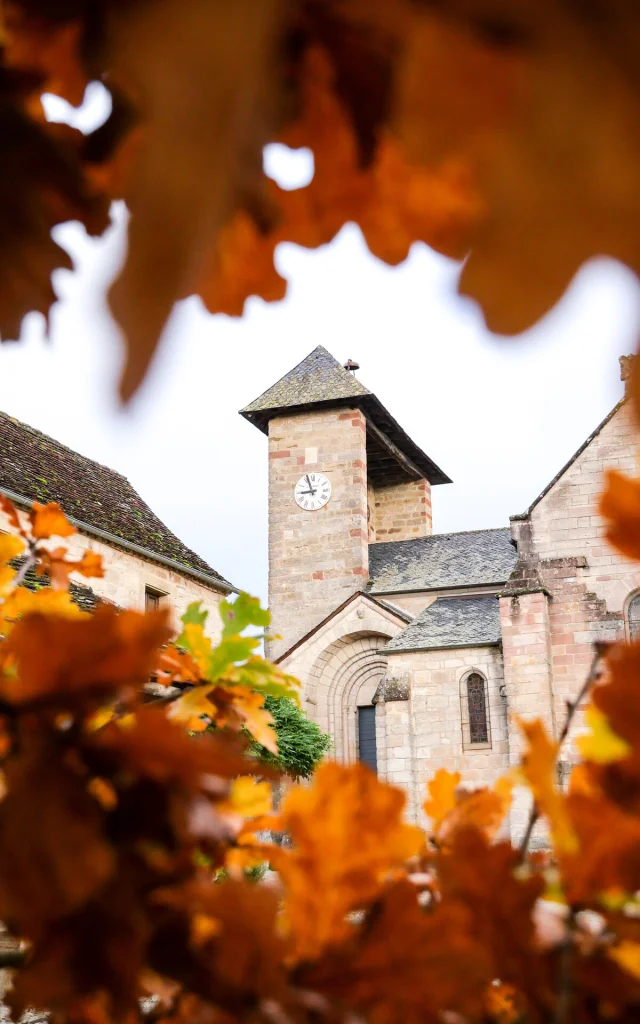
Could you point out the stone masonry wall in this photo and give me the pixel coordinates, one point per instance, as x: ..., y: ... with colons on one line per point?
x: 432, y: 721
x: 127, y: 575
x: 316, y: 559
x: 403, y: 511
x: 588, y: 582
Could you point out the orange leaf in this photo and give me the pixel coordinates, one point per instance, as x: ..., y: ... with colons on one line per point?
x: 62, y: 659
x: 620, y: 506
x: 539, y: 769
x: 348, y: 837
x: 442, y: 795
x: 49, y: 521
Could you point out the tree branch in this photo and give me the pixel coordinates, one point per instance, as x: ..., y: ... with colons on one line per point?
x: 572, y: 707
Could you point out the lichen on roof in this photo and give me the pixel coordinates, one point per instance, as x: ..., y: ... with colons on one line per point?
x: 39, y: 468
x: 318, y: 378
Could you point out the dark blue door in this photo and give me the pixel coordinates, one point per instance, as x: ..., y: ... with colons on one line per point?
x: 367, y: 752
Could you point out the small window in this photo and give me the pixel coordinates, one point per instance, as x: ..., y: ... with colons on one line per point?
x: 633, y: 617
x: 152, y: 599
x: 367, y: 751
x: 473, y: 705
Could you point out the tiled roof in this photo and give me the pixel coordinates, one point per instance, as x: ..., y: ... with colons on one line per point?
x: 81, y: 595
x: 38, y: 468
x: 441, y: 561
x: 451, y: 622
x: 318, y: 378
x: 321, y: 381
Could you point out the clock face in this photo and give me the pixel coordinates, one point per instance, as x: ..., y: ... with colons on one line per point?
x: 312, y: 491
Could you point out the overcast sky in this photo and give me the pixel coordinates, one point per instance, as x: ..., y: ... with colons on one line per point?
x: 500, y: 416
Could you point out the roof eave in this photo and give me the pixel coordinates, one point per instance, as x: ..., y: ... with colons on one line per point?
x: 440, y: 647
x: 375, y: 410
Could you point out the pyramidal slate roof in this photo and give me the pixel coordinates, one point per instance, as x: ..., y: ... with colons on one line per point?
x: 318, y: 378
x: 320, y: 381
x: 452, y: 622
x: 37, y: 468
x: 476, y: 558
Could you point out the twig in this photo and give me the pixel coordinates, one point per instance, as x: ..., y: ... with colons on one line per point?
x: 565, y: 975
x: 26, y: 566
x: 572, y: 707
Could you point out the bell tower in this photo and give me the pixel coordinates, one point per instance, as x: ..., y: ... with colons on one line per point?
x: 337, y: 478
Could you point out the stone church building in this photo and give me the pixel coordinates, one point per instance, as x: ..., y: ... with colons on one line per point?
x: 415, y: 649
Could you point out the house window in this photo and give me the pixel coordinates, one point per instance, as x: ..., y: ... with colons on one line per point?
x: 152, y: 599
x: 367, y: 752
x: 473, y: 705
x: 633, y: 617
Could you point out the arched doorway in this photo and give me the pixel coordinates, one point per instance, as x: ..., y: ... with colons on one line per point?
x: 343, y: 679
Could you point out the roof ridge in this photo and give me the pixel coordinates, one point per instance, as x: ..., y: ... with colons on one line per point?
x: 61, y: 444
x: 453, y: 533
x: 569, y: 463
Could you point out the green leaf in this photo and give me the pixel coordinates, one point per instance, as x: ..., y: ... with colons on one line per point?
x: 229, y: 651
x: 266, y: 677
x: 194, y: 615
x: 244, y: 612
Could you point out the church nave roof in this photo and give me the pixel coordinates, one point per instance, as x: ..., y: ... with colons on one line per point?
x: 441, y: 561
x: 451, y: 622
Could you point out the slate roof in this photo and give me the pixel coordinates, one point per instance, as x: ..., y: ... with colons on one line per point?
x: 441, y: 561
x: 320, y: 381
x: 318, y: 378
x: 38, y: 468
x: 452, y: 622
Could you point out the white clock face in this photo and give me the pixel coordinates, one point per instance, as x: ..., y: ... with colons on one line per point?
x: 312, y: 491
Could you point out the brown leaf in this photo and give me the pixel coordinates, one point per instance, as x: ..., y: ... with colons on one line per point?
x: 53, y: 851
x: 152, y: 747
x: 61, y: 660
x: 49, y: 47
x: 482, y: 878
x: 205, y: 125
x: 540, y: 99
x: 407, y: 965
x: 41, y: 185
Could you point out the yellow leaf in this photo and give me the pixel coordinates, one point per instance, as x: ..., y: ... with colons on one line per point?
x: 539, y: 770
x: 191, y: 706
x: 198, y: 645
x: 627, y: 955
x: 250, y: 798
x: 601, y: 744
x: 442, y: 795
x: 22, y: 602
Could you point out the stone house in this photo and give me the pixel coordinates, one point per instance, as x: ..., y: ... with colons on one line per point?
x: 145, y: 564
x: 416, y: 650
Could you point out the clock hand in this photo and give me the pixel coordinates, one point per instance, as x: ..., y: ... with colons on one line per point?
x: 311, y: 490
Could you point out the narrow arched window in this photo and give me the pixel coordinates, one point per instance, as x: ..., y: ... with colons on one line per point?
x: 473, y: 705
x: 633, y: 617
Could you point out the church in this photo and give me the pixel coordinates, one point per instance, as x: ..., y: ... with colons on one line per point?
x: 417, y: 650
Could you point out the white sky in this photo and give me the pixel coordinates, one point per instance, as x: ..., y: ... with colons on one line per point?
x: 500, y: 416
